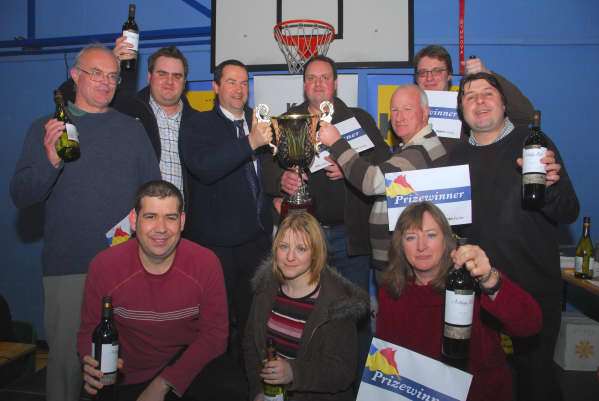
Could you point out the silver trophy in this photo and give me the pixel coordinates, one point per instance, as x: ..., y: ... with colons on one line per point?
x: 295, y: 145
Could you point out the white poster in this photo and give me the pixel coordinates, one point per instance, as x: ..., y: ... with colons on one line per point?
x: 447, y: 187
x: 443, y: 113
x: 281, y: 92
x: 394, y: 373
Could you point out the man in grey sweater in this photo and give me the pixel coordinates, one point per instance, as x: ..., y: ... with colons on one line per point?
x: 83, y: 201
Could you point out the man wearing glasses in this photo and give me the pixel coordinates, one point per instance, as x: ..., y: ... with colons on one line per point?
x: 83, y: 200
x: 434, y: 72
x: 160, y: 107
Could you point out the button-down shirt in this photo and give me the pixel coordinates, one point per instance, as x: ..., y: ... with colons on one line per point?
x: 507, y: 128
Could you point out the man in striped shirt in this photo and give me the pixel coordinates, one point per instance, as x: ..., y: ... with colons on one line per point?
x: 169, y: 301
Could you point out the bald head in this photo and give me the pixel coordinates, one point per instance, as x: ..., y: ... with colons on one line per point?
x: 409, y: 111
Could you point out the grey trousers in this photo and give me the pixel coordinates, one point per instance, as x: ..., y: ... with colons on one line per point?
x: 63, y: 296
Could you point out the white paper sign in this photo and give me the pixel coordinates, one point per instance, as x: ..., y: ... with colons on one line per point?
x: 120, y: 233
x: 443, y: 113
x: 353, y: 133
x: 447, y: 187
x: 395, y: 373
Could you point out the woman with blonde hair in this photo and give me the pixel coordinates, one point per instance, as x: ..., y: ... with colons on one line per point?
x: 310, y: 312
x: 411, y: 299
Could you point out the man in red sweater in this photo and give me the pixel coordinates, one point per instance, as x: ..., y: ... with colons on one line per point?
x: 169, y: 302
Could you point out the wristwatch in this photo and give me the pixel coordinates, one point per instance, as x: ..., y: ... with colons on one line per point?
x: 496, y: 287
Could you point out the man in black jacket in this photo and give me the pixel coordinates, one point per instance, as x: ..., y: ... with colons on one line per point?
x: 161, y: 107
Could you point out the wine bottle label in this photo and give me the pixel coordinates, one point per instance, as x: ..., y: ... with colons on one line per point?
x: 457, y: 333
x: 458, y: 308
x: 72, y: 133
x: 133, y: 38
x: 532, y: 160
x: 579, y: 264
x: 110, y: 355
x: 533, y: 178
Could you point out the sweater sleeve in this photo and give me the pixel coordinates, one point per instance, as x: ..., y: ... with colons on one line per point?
x: 34, y: 176
x: 519, y: 109
x: 211, y: 329
x: 208, y: 153
x: 518, y: 312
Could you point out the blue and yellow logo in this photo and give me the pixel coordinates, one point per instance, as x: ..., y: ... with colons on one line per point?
x: 382, y: 360
x: 399, y: 186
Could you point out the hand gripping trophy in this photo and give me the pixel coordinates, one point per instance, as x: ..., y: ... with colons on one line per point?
x: 296, y: 143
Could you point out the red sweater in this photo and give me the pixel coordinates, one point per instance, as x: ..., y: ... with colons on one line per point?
x: 415, y: 321
x: 158, y: 316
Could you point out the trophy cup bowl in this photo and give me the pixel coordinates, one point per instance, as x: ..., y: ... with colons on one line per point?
x: 296, y: 144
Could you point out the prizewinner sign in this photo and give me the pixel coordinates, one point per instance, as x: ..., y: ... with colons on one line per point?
x: 447, y: 187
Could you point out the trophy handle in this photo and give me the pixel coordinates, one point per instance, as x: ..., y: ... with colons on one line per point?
x: 326, y: 114
x: 263, y: 116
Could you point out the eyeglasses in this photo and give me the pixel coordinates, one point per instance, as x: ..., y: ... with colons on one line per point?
x: 98, y: 76
x: 435, y: 72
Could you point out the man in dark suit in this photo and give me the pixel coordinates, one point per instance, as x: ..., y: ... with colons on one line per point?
x: 230, y: 214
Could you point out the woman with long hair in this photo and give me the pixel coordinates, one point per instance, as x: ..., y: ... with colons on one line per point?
x: 310, y: 313
x: 411, y: 299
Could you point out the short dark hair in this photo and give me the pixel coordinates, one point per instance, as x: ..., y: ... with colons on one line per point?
x: 170, y: 51
x: 158, y: 189
x: 490, y: 78
x: 218, y: 71
x: 434, y: 51
x: 320, y: 57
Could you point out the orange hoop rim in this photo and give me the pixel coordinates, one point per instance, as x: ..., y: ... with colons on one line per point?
x: 282, y: 24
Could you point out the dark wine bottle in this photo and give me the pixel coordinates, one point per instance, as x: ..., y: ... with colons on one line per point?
x: 67, y: 145
x: 131, y: 32
x: 533, y: 171
x: 105, y: 344
x: 459, y: 306
x: 583, y: 262
x: 272, y: 392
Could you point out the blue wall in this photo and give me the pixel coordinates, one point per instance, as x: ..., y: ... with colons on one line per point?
x: 549, y: 48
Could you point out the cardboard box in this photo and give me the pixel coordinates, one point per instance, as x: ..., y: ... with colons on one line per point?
x: 578, y: 343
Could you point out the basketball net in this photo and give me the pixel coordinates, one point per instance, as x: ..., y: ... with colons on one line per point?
x: 300, y: 40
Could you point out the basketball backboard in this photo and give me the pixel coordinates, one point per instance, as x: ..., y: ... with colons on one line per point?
x: 377, y: 33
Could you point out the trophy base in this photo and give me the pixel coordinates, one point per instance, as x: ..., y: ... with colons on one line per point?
x: 288, y: 208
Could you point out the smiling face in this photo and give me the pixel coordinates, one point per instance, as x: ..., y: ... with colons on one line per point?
x: 319, y: 83
x: 424, y: 247
x: 91, y: 96
x: 432, y: 74
x: 232, y: 90
x: 167, y: 81
x: 408, y: 116
x: 158, y: 226
x: 294, y: 257
x: 483, y: 108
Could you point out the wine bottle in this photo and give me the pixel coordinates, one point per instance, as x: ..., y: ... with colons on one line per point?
x: 67, y: 145
x: 459, y: 306
x: 583, y: 265
x: 533, y: 171
x: 272, y: 392
x: 131, y: 32
x: 105, y: 344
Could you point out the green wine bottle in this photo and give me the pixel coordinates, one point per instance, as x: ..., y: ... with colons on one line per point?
x: 67, y: 145
x: 272, y: 392
x: 583, y: 265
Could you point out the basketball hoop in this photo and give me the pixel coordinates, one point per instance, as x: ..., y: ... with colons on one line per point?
x: 302, y: 39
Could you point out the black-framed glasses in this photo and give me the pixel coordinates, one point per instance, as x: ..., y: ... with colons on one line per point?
x: 98, y: 76
x: 435, y: 72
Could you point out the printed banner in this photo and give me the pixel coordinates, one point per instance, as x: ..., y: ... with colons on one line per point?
x: 443, y: 113
x: 353, y: 133
x: 120, y: 233
x: 447, y: 187
x: 395, y: 373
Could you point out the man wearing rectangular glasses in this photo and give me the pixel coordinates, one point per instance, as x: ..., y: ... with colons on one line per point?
x: 84, y: 200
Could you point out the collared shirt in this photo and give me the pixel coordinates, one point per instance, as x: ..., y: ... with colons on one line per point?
x: 420, y: 134
x: 246, y: 128
x: 168, y: 127
x: 507, y: 128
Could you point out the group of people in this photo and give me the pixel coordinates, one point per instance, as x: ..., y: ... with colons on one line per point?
x: 228, y: 286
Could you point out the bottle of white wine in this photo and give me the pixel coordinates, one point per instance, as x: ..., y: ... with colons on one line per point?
x: 131, y: 32
x: 67, y: 145
x: 583, y: 263
x: 105, y: 344
x: 272, y: 392
x: 533, y: 171
x: 459, y: 306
